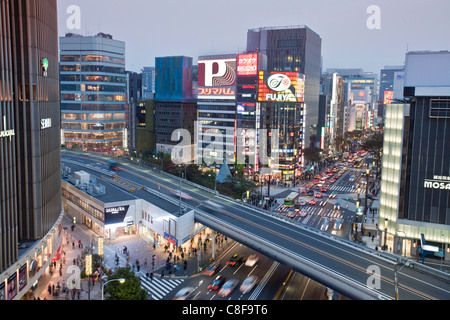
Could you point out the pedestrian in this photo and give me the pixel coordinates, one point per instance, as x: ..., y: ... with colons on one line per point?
x: 49, y: 289
x: 93, y: 282
x: 73, y: 245
x: 162, y: 273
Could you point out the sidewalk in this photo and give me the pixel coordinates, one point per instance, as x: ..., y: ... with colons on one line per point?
x: 138, y: 247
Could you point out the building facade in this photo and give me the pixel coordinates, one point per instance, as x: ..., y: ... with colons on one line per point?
x: 30, y: 188
x: 175, y: 106
x: 293, y: 49
x: 93, y: 92
x: 415, y: 186
x: 216, y: 103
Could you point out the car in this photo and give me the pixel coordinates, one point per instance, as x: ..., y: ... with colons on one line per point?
x: 337, y: 206
x: 338, y: 224
x: 352, y: 178
x: 303, y: 213
x: 216, y: 283
x: 297, y: 207
x: 333, y: 194
x: 184, y: 294
x: 331, y: 174
x: 234, y: 260
x: 291, y: 213
x: 310, y: 193
x: 323, y: 190
x: 251, y: 260
x: 302, y: 202
x: 324, y: 226
x: 318, y: 195
x: 332, y: 181
x: 211, y: 270
x: 248, y: 284
x: 312, y: 202
x: 303, y: 191
x: 228, y: 287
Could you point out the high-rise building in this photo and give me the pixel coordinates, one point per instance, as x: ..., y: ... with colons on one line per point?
x: 387, y: 80
x: 293, y: 49
x: 216, y: 109
x: 30, y: 157
x: 148, y: 83
x: 134, y: 94
x: 387, y: 77
x: 415, y: 185
x: 93, y: 92
x: 175, y: 106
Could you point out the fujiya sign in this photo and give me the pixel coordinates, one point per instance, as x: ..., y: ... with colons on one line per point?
x: 279, y: 82
x: 6, y: 133
x: 438, y: 182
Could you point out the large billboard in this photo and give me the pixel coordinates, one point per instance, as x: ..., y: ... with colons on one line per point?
x: 281, y: 87
x: 217, y: 78
x: 247, y: 64
x: 388, y: 97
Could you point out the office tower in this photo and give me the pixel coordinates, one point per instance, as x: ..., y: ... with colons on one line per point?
x: 175, y: 106
x: 148, y: 83
x: 415, y: 185
x: 216, y: 109
x: 293, y: 49
x: 145, y: 128
x: 30, y: 188
x: 134, y: 94
x: 387, y: 77
x: 333, y: 86
x: 93, y: 92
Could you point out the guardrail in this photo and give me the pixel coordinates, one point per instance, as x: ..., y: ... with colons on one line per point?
x: 303, y: 264
x: 379, y: 254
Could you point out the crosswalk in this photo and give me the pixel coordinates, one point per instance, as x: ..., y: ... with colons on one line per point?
x: 347, y: 189
x: 160, y: 287
x: 315, y: 210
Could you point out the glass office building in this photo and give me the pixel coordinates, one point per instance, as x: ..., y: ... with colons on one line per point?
x: 93, y: 92
x: 293, y: 49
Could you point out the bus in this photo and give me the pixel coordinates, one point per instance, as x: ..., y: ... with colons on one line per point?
x: 112, y: 165
x: 358, y: 162
x: 290, y: 200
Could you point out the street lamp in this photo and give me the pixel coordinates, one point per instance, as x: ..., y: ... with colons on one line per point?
x: 121, y: 280
x: 396, y: 271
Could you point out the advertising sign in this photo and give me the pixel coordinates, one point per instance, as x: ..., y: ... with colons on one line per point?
x: 247, y: 64
x: 217, y: 78
x: 437, y: 183
x: 12, y: 286
x: 22, y: 277
x: 388, y: 97
x: 116, y: 214
x: 281, y: 87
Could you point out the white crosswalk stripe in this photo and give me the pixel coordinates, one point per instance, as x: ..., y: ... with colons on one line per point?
x: 159, y: 287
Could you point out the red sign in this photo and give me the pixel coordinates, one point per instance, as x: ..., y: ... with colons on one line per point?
x: 247, y: 64
x: 217, y: 73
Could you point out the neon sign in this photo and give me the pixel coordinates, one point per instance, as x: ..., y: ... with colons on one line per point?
x: 247, y: 64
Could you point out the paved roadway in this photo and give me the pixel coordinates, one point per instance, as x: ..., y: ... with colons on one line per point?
x: 346, y: 261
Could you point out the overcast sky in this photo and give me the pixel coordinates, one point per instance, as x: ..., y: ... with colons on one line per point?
x: 156, y: 28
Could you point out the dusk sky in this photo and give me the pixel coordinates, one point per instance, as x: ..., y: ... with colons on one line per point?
x: 194, y: 28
